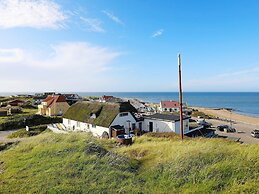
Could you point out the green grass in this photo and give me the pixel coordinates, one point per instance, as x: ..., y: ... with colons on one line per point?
x: 25, y: 112
x: 36, y: 130
x: 79, y: 163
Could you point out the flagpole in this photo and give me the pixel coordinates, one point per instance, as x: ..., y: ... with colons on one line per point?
x: 180, y: 96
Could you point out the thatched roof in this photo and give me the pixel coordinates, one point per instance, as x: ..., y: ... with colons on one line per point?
x: 105, y: 112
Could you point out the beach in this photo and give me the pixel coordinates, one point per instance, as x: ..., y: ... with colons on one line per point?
x: 230, y: 115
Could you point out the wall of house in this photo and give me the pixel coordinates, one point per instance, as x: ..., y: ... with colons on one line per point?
x: 159, y: 125
x: 73, y: 125
x: 166, y: 126
x: 186, y: 126
x: 122, y: 120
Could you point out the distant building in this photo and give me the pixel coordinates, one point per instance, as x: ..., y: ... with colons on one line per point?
x: 53, y: 105
x: 16, y: 102
x: 105, y: 98
x: 72, y: 98
x: 169, y: 106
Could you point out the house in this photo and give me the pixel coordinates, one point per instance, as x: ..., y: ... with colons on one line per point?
x: 165, y: 123
x: 169, y: 106
x: 102, y: 119
x: 105, y: 98
x: 53, y: 105
x: 16, y: 102
x: 72, y: 98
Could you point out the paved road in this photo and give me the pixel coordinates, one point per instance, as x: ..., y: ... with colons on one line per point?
x: 4, y: 134
x: 243, y: 129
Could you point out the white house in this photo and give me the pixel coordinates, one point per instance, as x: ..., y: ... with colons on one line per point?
x: 169, y: 106
x: 102, y: 119
x: 165, y: 123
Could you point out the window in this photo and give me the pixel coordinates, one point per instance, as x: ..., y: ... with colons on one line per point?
x: 88, y: 126
x: 78, y: 124
x: 123, y: 114
x: 93, y: 126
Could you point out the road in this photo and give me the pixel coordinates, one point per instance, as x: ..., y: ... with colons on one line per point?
x: 243, y: 131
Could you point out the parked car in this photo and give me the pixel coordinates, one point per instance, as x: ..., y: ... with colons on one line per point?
x: 222, y: 127
x: 226, y: 128
x: 255, y: 133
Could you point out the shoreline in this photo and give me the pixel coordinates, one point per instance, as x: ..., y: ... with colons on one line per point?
x: 226, y: 114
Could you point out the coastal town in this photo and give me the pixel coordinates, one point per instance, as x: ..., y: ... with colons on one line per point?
x: 129, y: 97
x: 123, y: 118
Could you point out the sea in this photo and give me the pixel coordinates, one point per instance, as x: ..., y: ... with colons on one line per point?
x: 246, y: 103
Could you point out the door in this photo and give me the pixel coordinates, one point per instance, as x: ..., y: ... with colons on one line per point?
x: 150, y: 126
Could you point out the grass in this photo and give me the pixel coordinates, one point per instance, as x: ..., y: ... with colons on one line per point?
x: 155, y: 163
x: 36, y: 130
x: 25, y: 112
x: 196, y: 113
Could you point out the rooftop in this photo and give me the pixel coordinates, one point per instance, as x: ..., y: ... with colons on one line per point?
x: 105, y: 112
x: 170, y: 104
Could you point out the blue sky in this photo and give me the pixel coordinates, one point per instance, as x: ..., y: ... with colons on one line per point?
x: 128, y: 45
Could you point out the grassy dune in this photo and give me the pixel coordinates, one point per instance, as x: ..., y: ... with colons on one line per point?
x: 61, y: 163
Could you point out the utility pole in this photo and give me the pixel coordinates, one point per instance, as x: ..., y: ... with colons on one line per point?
x: 180, y: 96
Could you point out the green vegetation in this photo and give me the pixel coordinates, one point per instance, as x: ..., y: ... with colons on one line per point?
x: 155, y: 163
x: 18, y: 122
x: 196, y: 113
x: 36, y: 130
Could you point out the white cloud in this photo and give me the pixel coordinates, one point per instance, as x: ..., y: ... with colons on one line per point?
x: 11, y: 55
x: 64, y: 55
x: 113, y: 17
x: 69, y: 66
x: 92, y: 24
x: 31, y: 13
x: 157, y: 33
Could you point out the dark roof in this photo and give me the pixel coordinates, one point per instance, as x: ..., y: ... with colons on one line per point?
x: 105, y: 112
x: 167, y: 117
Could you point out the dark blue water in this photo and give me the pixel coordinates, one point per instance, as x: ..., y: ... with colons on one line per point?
x: 242, y: 102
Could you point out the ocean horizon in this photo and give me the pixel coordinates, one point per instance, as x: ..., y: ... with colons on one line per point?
x: 246, y: 103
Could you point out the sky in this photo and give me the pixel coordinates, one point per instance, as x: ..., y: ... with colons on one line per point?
x: 129, y: 45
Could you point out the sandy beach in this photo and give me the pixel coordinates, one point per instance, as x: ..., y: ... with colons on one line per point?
x: 229, y: 115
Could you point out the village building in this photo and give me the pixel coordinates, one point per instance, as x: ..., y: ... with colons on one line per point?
x: 105, y: 98
x: 16, y: 102
x: 53, y: 105
x: 72, y: 98
x: 165, y: 123
x: 102, y: 119
x: 169, y: 106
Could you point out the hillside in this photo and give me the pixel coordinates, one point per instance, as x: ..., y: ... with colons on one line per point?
x: 79, y: 163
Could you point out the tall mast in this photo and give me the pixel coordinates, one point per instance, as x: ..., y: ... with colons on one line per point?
x: 180, y: 96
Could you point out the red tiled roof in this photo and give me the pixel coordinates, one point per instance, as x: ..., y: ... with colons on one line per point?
x: 54, y: 99
x: 170, y: 104
x: 107, y: 97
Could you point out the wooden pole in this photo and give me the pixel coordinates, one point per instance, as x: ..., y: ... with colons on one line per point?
x: 180, y: 96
